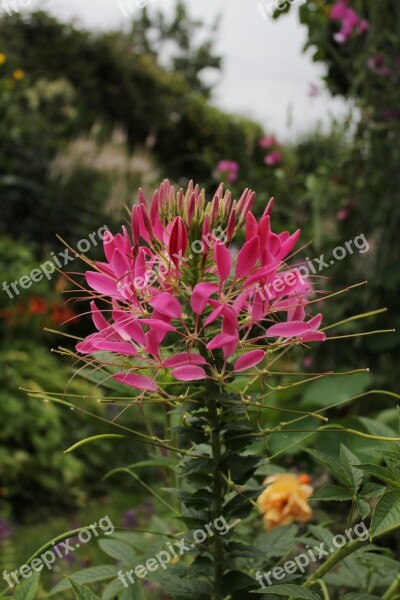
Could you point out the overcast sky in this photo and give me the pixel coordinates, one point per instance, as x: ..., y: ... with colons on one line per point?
x: 265, y: 74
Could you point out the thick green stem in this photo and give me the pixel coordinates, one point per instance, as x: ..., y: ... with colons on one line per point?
x: 218, y: 494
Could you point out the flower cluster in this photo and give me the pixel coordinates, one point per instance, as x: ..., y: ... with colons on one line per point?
x: 206, y: 315
x: 228, y: 169
x: 351, y: 23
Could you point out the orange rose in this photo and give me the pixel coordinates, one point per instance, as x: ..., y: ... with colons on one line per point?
x: 285, y: 500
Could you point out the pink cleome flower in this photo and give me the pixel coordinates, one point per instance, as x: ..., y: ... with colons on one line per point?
x: 174, y: 300
x: 229, y: 168
x: 273, y: 158
x: 351, y: 22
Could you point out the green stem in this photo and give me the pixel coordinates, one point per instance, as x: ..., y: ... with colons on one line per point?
x: 333, y: 560
x: 218, y: 494
x: 391, y: 591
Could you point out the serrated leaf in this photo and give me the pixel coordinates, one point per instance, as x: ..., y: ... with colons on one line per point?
x: 332, y: 492
x: 386, y: 515
x: 372, y: 490
x: 363, y: 508
x: 118, y: 550
x: 27, y: 588
x: 112, y: 589
x: 277, y: 542
x: 381, y: 473
x: 289, y: 591
x: 82, y: 593
x: 348, y: 459
x: 89, y: 575
x: 334, y: 467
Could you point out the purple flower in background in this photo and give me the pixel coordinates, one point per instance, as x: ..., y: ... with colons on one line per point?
x: 267, y: 141
x: 273, y: 158
x: 5, y: 531
x: 351, y: 23
x: 129, y: 519
x: 229, y: 168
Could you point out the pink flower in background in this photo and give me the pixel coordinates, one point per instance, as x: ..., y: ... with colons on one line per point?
x: 377, y: 65
x: 273, y: 158
x: 351, y: 22
x: 267, y: 141
x: 343, y: 213
x: 172, y: 297
x: 229, y: 168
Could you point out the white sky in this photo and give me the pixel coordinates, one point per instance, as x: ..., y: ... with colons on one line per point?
x: 265, y: 74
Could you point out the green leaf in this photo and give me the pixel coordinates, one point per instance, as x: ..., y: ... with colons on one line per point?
x: 27, y: 588
x: 386, y: 515
x: 119, y: 550
x: 334, y: 467
x: 332, y: 390
x: 82, y: 593
x: 332, y: 492
x: 372, y: 490
x: 381, y: 473
x: 277, y: 542
x: 374, y: 427
x: 87, y: 576
x: 288, y: 590
x: 359, y: 597
x: 112, y: 589
x: 363, y: 508
x: 348, y: 459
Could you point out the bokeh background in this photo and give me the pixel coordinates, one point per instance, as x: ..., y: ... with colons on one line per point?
x: 100, y: 98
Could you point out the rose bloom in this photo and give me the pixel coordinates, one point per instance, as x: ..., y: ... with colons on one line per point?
x: 285, y: 500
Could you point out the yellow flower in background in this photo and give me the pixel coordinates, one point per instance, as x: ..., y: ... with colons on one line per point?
x: 18, y: 74
x: 285, y: 500
x: 3, y: 58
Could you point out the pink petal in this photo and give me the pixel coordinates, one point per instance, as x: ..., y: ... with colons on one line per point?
x: 289, y: 244
x: 87, y: 347
x: 102, y: 284
x: 152, y: 345
x: 158, y: 325
x: 200, y: 296
x: 250, y: 359
x: 140, y: 382
x: 248, y: 256
x: 98, y: 319
x: 251, y: 226
x: 184, y: 358
x: 223, y: 259
x: 288, y: 330
x: 189, y: 373
x: 221, y: 340
x: 117, y: 347
x: 167, y: 305
x: 120, y: 264
x: 313, y: 336
x: 315, y: 322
